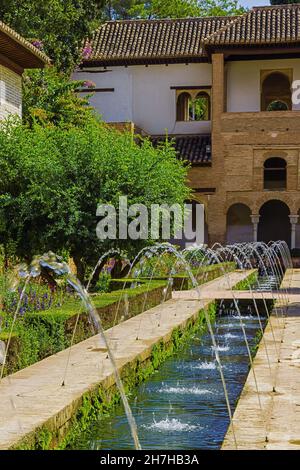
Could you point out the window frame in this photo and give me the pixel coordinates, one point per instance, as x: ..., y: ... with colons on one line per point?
x: 193, y: 93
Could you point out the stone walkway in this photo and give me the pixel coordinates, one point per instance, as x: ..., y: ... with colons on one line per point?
x: 211, y: 289
x: 274, y: 423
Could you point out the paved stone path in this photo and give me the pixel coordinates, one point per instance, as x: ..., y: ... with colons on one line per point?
x: 276, y: 424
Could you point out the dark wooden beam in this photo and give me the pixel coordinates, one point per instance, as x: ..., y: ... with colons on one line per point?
x: 95, y: 90
x: 204, y: 190
x: 192, y: 87
x: 6, y: 62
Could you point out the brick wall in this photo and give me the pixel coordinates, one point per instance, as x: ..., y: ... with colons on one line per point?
x: 241, y: 142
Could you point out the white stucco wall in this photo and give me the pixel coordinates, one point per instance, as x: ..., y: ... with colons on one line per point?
x: 243, y: 82
x: 10, y: 93
x: 143, y: 95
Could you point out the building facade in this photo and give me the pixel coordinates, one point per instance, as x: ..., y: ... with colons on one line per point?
x: 222, y: 88
x: 16, y: 55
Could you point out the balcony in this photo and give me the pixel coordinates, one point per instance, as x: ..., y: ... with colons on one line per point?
x: 259, y: 122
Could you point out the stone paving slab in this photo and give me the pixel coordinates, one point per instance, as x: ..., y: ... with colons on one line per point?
x: 276, y: 425
x: 209, y: 289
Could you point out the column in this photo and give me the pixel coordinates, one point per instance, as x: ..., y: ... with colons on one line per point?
x: 218, y: 89
x: 294, y: 221
x: 255, y: 219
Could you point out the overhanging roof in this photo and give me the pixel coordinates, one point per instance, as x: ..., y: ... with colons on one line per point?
x: 193, y: 39
x: 142, y: 41
x: 15, y: 48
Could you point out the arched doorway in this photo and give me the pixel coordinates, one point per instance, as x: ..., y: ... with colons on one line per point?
x: 276, y: 92
x: 239, y: 226
x: 274, y: 223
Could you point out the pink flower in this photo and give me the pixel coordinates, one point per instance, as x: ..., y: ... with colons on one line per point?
x: 87, y: 51
x: 38, y: 44
x: 89, y: 84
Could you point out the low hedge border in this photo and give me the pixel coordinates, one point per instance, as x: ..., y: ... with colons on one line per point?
x: 182, y: 281
x: 40, y: 334
x: 244, y: 284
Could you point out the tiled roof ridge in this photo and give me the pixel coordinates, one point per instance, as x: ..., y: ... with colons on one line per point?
x: 166, y: 20
x: 268, y: 7
x: 21, y: 40
x: 236, y: 20
x: 244, y: 21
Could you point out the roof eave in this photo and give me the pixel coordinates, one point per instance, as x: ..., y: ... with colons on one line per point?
x: 127, y: 61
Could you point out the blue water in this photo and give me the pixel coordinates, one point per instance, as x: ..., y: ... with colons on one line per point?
x: 182, y: 406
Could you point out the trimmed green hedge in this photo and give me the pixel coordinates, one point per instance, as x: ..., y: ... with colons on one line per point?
x: 40, y: 334
x: 244, y: 284
x: 182, y: 281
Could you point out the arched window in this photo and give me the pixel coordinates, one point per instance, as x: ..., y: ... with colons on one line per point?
x: 276, y: 92
x: 199, y: 109
x: 239, y: 226
x: 183, y: 104
x: 275, y: 174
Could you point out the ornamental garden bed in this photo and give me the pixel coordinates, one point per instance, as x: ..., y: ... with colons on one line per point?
x: 182, y: 281
x: 39, y: 334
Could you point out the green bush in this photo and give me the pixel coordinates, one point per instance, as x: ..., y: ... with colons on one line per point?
x: 37, y: 335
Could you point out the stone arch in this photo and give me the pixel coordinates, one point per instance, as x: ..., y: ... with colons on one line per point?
x: 239, y: 200
x: 238, y: 223
x: 182, y: 106
x: 269, y: 196
x: 276, y: 92
x: 200, y: 107
x: 274, y: 223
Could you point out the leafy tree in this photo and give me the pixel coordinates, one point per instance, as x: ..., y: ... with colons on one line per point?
x: 57, y: 26
x: 50, y: 98
x: 220, y: 8
x: 52, y: 179
x: 126, y: 9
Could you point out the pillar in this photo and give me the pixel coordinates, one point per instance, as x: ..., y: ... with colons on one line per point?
x: 294, y: 220
x: 255, y: 219
x: 218, y: 86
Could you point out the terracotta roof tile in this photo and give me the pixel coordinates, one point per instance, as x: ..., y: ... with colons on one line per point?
x: 192, y: 148
x: 17, y: 38
x: 179, y: 39
x: 151, y: 39
x: 261, y: 26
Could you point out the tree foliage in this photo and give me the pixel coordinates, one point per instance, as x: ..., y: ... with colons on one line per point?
x: 50, y: 99
x: 60, y: 25
x: 127, y: 9
x: 52, y: 179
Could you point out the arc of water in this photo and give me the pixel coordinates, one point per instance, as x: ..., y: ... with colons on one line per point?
x: 275, y: 266
x: 257, y: 314
x: 275, y: 273
x: 242, y: 248
x: 60, y: 268
x: 13, y: 325
x: 244, y: 335
x: 109, y: 253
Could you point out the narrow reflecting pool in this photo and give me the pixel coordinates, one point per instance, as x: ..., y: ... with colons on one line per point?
x: 182, y: 406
